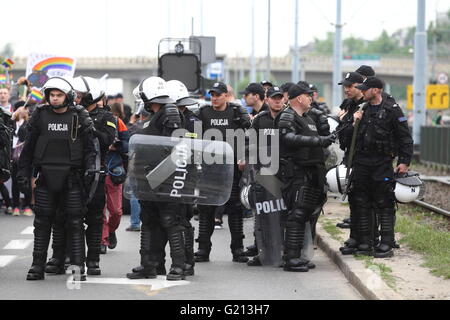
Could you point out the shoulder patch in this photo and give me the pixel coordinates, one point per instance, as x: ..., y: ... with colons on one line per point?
x: 111, y: 124
x: 402, y: 119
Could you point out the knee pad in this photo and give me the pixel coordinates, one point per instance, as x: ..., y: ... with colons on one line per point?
x: 299, y: 215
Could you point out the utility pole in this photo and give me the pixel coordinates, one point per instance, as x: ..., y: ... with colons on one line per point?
x: 337, y: 57
x: 296, y: 55
x: 420, y: 73
x: 252, y: 58
x: 268, y: 42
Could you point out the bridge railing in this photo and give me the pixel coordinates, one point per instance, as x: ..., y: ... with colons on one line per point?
x: 435, y: 145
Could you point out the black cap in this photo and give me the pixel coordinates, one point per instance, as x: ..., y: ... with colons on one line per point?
x: 371, y: 82
x: 119, y: 96
x: 351, y: 78
x: 219, y: 87
x: 255, y: 88
x: 286, y: 86
x: 298, y: 89
x: 266, y: 83
x: 274, y: 91
x: 365, y: 71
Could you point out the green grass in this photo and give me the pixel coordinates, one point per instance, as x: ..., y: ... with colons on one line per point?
x: 384, y: 271
x: 330, y: 226
x: 428, y: 239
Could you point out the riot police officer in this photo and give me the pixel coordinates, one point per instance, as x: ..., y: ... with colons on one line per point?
x: 264, y: 123
x: 88, y: 95
x: 223, y: 116
x: 162, y: 219
x: 59, y: 146
x: 302, y: 170
x: 177, y: 92
x: 381, y: 136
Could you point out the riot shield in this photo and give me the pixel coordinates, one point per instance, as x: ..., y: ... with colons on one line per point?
x: 268, y: 205
x: 171, y: 169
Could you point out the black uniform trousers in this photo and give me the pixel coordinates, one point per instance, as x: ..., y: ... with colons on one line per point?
x: 64, y: 207
x: 373, y: 189
x: 234, y: 210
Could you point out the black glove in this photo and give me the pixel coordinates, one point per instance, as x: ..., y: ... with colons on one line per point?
x: 89, y: 176
x: 326, y: 141
x: 24, y: 184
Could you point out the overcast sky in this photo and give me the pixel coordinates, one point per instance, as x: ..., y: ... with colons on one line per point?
x: 134, y: 27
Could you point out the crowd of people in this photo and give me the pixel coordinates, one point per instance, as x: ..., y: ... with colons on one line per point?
x: 73, y: 161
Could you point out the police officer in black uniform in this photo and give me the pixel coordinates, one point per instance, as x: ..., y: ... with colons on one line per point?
x: 354, y: 98
x: 223, y: 115
x: 88, y: 95
x: 264, y: 122
x: 302, y: 170
x: 161, y: 219
x: 322, y: 106
x: 382, y: 135
x: 59, y: 145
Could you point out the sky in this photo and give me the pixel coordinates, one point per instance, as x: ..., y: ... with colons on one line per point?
x: 85, y: 28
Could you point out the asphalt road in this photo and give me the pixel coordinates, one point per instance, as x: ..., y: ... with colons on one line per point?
x: 219, y: 279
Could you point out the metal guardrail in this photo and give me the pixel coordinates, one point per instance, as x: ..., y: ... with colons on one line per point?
x: 435, y: 145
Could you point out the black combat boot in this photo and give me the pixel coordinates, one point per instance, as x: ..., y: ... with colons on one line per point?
x: 365, y: 226
x: 386, y: 219
x: 56, y: 264
x: 236, y: 225
x: 251, y: 251
x: 42, y: 231
x: 295, y: 234
x: 189, y: 251
x: 205, y: 231
x: 177, y: 253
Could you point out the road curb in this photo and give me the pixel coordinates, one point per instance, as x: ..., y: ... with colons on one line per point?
x: 368, y: 283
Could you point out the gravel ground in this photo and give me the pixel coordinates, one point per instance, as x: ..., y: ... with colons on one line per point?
x: 437, y: 194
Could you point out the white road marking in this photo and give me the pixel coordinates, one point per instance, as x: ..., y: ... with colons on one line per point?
x: 18, y: 244
x: 156, y: 284
x: 28, y: 230
x: 5, y: 260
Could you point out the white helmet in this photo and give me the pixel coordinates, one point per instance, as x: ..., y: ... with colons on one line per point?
x: 154, y: 89
x: 179, y: 93
x: 61, y: 84
x: 90, y: 90
x: 336, y: 179
x: 409, y: 187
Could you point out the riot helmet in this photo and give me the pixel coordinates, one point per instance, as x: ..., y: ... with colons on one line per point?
x: 336, y: 179
x: 63, y: 85
x: 90, y: 90
x: 154, y: 90
x: 408, y: 187
x: 179, y: 93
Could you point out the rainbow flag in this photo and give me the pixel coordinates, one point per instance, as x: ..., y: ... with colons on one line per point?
x: 36, y: 95
x: 2, y: 78
x: 8, y: 63
x: 55, y: 63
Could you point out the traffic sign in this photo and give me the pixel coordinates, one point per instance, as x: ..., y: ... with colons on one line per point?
x: 437, y: 96
x: 442, y: 78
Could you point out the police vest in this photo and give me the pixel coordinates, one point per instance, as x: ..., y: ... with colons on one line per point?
x: 264, y: 125
x: 376, y: 131
x: 59, y: 142
x: 304, y: 155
